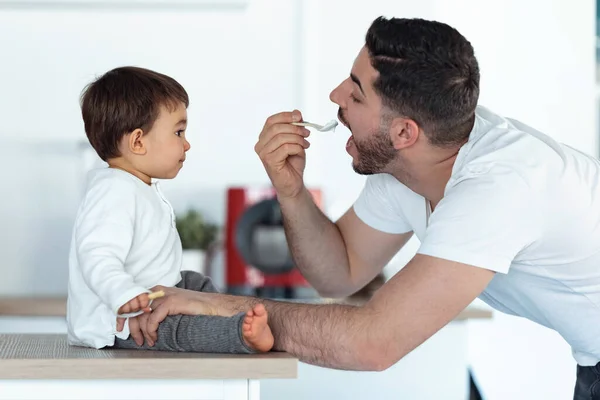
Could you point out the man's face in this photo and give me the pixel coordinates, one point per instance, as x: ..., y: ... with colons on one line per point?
x: 360, y: 110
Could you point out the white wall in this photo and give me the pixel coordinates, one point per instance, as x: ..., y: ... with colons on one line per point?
x: 238, y: 64
x: 537, y: 62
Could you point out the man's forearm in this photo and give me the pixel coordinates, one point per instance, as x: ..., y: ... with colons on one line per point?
x: 341, y: 331
x: 316, y: 244
x: 328, y: 335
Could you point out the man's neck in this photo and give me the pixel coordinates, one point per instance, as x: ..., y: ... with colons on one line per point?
x: 428, y: 177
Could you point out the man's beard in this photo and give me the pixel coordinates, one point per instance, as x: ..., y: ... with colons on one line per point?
x: 375, y: 153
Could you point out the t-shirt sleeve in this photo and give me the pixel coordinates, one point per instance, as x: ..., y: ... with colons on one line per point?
x: 104, y: 234
x: 485, y: 220
x: 378, y: 205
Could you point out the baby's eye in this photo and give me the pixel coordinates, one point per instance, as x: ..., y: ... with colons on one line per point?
x: 179, y: 133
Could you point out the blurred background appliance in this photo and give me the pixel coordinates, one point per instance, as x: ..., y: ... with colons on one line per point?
x: 257, y: 259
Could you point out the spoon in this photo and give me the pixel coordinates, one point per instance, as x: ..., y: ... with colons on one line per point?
x: 321, y: 128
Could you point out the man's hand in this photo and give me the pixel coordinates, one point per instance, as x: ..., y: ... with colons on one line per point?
x: 139, y: 332
x: 175, y: 302
x: 138, y: 303
x: 281, y: 147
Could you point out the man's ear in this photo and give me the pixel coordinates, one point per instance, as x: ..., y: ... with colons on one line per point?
x: 404, y: 132
x: 136, y: 143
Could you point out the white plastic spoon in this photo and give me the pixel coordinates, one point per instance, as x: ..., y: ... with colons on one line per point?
x: 321, y: 128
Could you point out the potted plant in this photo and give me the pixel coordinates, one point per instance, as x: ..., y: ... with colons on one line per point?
x: 196, y: 235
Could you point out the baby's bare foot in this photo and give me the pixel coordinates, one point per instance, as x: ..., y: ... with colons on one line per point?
x: 256, y: 331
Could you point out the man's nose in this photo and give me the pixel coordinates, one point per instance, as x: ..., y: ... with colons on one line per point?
x: 336, y: 96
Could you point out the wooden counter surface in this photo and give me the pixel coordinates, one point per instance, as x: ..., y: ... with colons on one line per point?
x: 56, y: 307
x: 48, y: 356
x: 33, y: 306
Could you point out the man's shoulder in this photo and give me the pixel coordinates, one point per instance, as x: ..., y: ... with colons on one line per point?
x: 502, y: 146
x: 387, y: 184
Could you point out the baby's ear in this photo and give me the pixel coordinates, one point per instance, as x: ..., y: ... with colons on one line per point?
x: 135, y: 142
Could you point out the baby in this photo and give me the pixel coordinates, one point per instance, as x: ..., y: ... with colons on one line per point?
x: 124, y: 239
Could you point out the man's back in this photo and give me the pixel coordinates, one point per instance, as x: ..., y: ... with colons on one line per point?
x: 555, y: 281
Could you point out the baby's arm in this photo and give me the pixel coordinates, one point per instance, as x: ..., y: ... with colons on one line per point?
x: 104, y: 235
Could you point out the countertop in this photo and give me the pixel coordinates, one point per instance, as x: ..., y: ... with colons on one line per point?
x: 48, y: 356
x: 56, y: 307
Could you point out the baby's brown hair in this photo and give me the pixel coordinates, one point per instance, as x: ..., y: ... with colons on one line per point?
x: 125, y: 99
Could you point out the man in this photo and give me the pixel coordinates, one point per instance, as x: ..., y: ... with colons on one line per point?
x: 503, y: 213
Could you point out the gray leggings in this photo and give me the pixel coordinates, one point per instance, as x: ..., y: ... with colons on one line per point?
x: 196, y: 333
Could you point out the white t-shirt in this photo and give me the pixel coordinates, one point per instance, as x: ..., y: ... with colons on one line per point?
x: 124, y: 242
x: 523, y: 205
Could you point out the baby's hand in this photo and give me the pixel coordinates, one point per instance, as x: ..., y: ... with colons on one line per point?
x: 141, y: 302
x: 138, y: 303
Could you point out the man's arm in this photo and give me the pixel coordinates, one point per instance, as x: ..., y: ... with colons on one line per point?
x: 418, y: 301
x: 337, y: 259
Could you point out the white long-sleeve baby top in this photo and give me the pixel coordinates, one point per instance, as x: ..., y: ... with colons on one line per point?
x: 124, y: 242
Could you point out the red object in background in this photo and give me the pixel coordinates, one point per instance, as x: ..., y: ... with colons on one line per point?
x: 241, y: 278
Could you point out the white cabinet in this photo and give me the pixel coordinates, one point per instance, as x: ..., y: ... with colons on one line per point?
x: 233, y: 389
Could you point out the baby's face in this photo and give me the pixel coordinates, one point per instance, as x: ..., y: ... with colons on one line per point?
x: 166, y: 144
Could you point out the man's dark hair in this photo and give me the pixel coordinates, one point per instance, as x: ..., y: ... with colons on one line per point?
x: 427, y: 72
x: 125, y: 99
